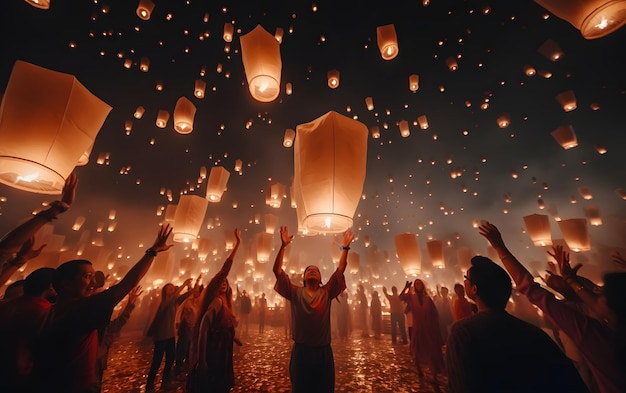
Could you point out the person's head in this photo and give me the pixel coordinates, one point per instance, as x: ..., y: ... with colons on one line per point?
x: 167, y: 291
x: 394, y: 290
x: 312, y: 276
x: 15, y: 289
x: 39, y: 283
x: 418, y: 285
x: 444, y: 291
x: 488, y: 283
x: 263, y: 295
x: 100, y: 279
x: 459, y: 289
x: 74, y: 279
x: 244, y: 293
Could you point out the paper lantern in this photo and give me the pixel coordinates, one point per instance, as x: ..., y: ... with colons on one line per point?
x: 199, y: 88
x: 289, y: 137
x: 275, y: 194
x: 203, y: 172
x: 139, y: 112
x: 594, y: 18
x: 423, y: 122
x: 144, y: 9
x: 464, y: 256
x: 408, y: 253
x: 435, y: 253
x: 271, y: 220
x: 529, y: 70
x: 228, y: 32
x: 260, y: 53
x: 354, y: 262
x: 592, y: 213
x: 144, y: 65
x: 504, y: 120
x: 621, y: 192
x: 538, y: 228
x: 333, y: 79
x: 330, y: 156
x: 184, y: 113
x: 565, y: 136
x: 189, y: 216
x: 84, y: 158
x: 41, y: 4
x: 128, y: 63
x: 204, y: 247
x: 278, y: 34
x: 387, y: 41
x: 575, y: 234
x: 288, y: 88
x: 218, y: 178
x: 263, y: 246
x: 162, y: 117
x: 170, y: 213
x: 238, y: 165
x: 366, y: 241
x: 369, y: 103
x: 375, y: 132
x: 585, y: 193
x: 48, y: 120
x: 404, y: 128
x: 452, y: 63
x: 414, y: 82
x: 112, y: 214
x: 78, y: 223
x: 551, y: 50
x: 567, y: 99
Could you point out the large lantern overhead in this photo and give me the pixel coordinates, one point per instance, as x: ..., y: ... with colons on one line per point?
x: 594, y: 18
x: 539, y: 230
x: 575, y: 234
x: 330, y: 155
x: 184, y: 113
x: 260, y: 53
x: 435, y: 253
x: 48, y: 121
x: 189, y: 216
x: 41, y: 4
x: 408, y: 253
x: 217, y: 183
x: 387, y: 41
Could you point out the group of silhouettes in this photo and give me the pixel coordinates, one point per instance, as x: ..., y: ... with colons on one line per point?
x: 58, y: 324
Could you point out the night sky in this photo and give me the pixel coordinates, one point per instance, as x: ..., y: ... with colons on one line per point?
x: 500, y: 173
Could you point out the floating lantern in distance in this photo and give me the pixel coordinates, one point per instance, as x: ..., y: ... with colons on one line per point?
x: 529, y: 70
x: 139, y: 112
x: 593, y: 215
x: 203, y: 172
x: 271, y: 220
x: 464, y: 256
x: 144, y: 64
x: 423, y: 122
x: 541, y: 204
x: 567, y: 99
x: 228, y: 32
x: 600, y: 149
x: 238, y: 165
x: 594, y: 18
x: 330, y: 178
x: 112, y: 214
x: 260, y: 53
x: 435, y: 252
x: 199, y: 88
x: 414, y: 82
x: 289, y: 137
x: 162, y: 117
x: 218, y: 178
x: 375, y: 132
x: 354, y: 262
x: 263, y: 246
x: 78, y: 223
x: 387, y: 41
x: 275, y: 194
x: 369, y: 102
x: 404, y: 128
x: 408, y: 253
x: 621, y: 192
x: 184, y: 113
x: 144, y: 9
x: 452, y: 63
x: 103, y: 157
x: 575, y: 234
x: 333, y: 79
x: 278, y: 34
x: 41, y: 4
x: 189, y: 217
x: 288, y: 88
x: 551, y: 50
x: 538, y: 228
x: 565, y: 136
x: 128, y: 63
x: 584, y: 192
x: 366, y: 241
x: 48, y: 121
x: 504, y: 120
x: 204, y: 247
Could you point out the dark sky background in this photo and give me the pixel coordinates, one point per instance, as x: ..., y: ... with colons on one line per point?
x: 408, y: 187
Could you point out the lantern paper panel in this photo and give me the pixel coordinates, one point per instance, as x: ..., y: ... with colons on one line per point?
x: 594, y: 18
x: 414, y: 82
x: 330, y: 156
x: 408, y: 253
x: 184, y: 113
x: 218, y: 178
x: 189, y: 217
x: 263, y: 246
x: 435, y: 252
x: 260, y: 53
x: 565, y: 136
x: 539, y: 230
x: 144, y: 9
x: 41, y: 4
x: 290, y: 135
x: 48, y: 120
x: 575, y: 234
x: 387, y: 41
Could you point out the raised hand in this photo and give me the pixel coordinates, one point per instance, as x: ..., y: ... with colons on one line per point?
x: 238, y: 235
x: 160, y: 244
x: 284, y: 236
x: 562, y: 259
x: 27, y: 251
x: 69, y: 189
x: 492, y: 234
x: 407, y: 285
x: 348, y: 236
x: 134, y: 294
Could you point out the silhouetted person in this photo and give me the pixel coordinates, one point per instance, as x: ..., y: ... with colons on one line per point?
x: 396, y: 309
x: 361, y: 310
x: 461, y: 307
x: 311, y: 367
x: 262, y: 305
x: 245, y: 305
x: 376, y: 313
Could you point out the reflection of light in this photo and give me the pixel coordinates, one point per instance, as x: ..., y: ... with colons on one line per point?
x: 263, y: 87
x: 327, y: 222
x: 28, y: 178
x: 603, y: 24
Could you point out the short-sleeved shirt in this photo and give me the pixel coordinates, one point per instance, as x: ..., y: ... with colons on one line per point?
x: 310, y: 315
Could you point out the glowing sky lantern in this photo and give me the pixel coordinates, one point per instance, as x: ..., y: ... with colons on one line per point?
x: 423, y: 122
x: 452, y: 63
x: 170, y: 213
x: 504, y: 120
x: 218, y: 178
x: 41, y: 4
x: 464, y: 256
x: 278, y: 34
x: 354, y: 263
x: 189, y: 217
x: 565, y: 136
x: 275, y: 194
x: 199, y: 88
x: 575, y: 234
x: 330, y: 157
x: 567, y: 99
x: 375, y: 132
x: 78, y: 223
x: 112, y: 214
x: 585, y: 193
x: 144, y: 9
x: 333, y: 79
x: 260, y: 53
x: 414, y: 82
x: 403, y: 125
x: 529, y: 70
x: 271, y: 220
x: 184, y: 114
x: 592, y: 213
x: 369, y: 103
x: 288, y: 88
x: 228, y: 32
x: 538, y: 228
x: 551, y: 50
x: 594, y: 18
x: 48, y: 121
x: 435, y: 253
x: 408, y: 253
x: 387, y: 41
x: 204, y: 248
x: 290, y: 134
x: 139, y: 112
x: 162, y: 117
x: 144, y: 64
x: 263, y: 246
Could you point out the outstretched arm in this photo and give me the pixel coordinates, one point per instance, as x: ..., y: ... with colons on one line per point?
x: 213, y: 285
x: 511, y: 264
x: 25, y: 253
x: 13, y: 240
x: 285, y: 240
x: 348, y: 236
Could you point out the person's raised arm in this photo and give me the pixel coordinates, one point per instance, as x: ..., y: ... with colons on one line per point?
x: 211, y: 289
x: 13, y: 240
x: 387, y: 295
x: 348, y: 236
x: 285, y: 239
x: 136, y: 273
x: 511, y: 264
x: 25, y: 253
x: 405, y: 290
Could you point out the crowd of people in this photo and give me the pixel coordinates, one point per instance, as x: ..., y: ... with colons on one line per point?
x: 58, y: 324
